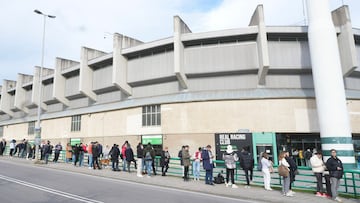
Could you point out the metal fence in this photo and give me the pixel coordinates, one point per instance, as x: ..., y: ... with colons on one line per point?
x: 305, y: 180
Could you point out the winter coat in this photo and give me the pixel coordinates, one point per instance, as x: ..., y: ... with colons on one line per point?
x: 114, y: 153
x: 139, y: 152
x: 150, y: 150
x: 129, y: 154
x: 68, y: 153
x: 95, y: 151
x: 230, y: 160
x: 246, y: 160
x: 331, y: 164
x: 318, y: 165
x: 292, y: 168
x: 165, y: 158
x: 207, y: 160
x: 186, y: 157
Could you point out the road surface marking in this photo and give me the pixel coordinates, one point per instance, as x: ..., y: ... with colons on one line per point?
x: 50, y: 190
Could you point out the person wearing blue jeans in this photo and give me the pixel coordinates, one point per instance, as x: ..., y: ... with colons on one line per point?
x: 149, y: 155
x: 208, y: 164
x: 196, y: 164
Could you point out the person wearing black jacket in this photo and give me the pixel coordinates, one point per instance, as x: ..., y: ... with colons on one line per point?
x: 247, y: 164
x: 164, y: 161
x: 115, y: 153
x: 96, y: 154
x: 76, y: 152
x: 336, y: 170
x: 129, y: 154
x: 293, y: 168
x: 140, y: 156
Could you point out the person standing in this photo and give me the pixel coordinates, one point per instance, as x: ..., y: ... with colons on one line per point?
x: 140, y: 156
x: 336, y: 170
x: 68, y: 154
x: 230, y: 158
x: 28, y: 150
x: 90, y: 155
x: 307, y: 156
x: 208, y: 164
x: 149, y: 155
x: 123, y: 155
x: 96, y: 154
x: 286, y: 180
x: 115, y: 154
x: 247, y: 164
x: 58, y: 149
x: 47, y: 151
x: 186, y: 161
x: 266, y: 164
x: 164, y: 161
x: 76, y: 153
x: 129, y: 154
x: 196, y: 164
x: 12, y: 147
x: 181, y: 160
x: 293, y: 169
x: 2, y: 146
x: 318, y: 167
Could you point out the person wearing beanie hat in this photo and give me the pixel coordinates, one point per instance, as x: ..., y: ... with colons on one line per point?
x: 230, y: 158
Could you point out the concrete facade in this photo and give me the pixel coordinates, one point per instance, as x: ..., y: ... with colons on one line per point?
x: 257, y: 78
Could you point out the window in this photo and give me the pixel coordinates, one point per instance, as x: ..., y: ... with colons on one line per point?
x: 151, y: 115
x: 1, y: 131
x: 31, y: 128
x: 76, y: 123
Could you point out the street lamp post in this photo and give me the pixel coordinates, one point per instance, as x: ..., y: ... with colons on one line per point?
x: 37, y: 127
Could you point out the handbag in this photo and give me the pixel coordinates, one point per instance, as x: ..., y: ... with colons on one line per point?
x: 271, y: 169
x: 283, y: 171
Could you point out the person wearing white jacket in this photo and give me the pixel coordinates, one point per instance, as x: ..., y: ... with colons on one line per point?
x: 286, y: 184
x: 318, y: 167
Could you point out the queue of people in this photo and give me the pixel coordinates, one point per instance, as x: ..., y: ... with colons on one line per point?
x: 99, y: 157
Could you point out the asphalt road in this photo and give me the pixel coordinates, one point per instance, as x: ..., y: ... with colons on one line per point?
x: 28, y: 183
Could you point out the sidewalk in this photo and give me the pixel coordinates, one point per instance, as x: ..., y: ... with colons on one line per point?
x: 255, y: 193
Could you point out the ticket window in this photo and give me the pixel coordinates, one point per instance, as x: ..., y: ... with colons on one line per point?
x: 268, y: 148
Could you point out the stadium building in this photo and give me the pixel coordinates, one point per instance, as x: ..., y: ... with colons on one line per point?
x: 250, y: 86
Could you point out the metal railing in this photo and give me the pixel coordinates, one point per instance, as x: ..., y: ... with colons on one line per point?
x: 305, y: 180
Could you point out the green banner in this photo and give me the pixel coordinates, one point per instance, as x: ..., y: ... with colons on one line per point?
x: 153, y: 139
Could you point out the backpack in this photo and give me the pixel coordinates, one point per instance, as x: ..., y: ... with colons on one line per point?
x: 219, y: 179
x: 148, y: 156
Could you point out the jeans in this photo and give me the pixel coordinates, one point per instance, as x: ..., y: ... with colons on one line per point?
x: 56, y: 157
x: 166, y: 167
x: 96, y: 161
x: 81, y: 159
x: 230, y: 175
x: 209, y: 176
x: 247, y: 175
x: 319, y: 182
x: 267, y: 178
x: 47, y: 158
x: 286, y: 185
x: 124, y: 164
x: 196, y: 169
x: 90, y: 160
x: 115, y: 164
x: 148, y: 167
x: 335, y: 183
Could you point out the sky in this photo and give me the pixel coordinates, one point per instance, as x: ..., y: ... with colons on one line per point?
x: 91, y: 23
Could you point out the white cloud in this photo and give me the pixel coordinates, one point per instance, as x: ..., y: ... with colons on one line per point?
x: 84, y: 22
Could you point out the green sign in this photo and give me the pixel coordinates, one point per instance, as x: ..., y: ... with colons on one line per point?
x: 153, y: 139
x: 75, y: 141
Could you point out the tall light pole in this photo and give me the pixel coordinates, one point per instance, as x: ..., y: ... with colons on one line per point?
x: 37, y: 127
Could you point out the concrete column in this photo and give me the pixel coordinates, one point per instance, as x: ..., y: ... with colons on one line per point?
x: 179, y: 28
x: 257, y: 19
x: 59, y: 79
x: 5, y: 102
x: 333, y: 115
x: 20, y: 92
x: 347, y: 49
x: 120, y: 63
x: 86, y: 73
x: 35, y: 88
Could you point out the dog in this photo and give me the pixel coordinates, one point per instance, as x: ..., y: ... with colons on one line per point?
x: 104, y: 162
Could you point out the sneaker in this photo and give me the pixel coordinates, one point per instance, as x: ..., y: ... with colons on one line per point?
x: 289, y: 194
x: 226, y: 185
x: 326, y: 195
x: 234, y: 186
x: 246, y: 186
x: 318, y: 194
x: 292, y: 192
x: 140, y: 176
x: 270, y: 189
x: 337, y: 199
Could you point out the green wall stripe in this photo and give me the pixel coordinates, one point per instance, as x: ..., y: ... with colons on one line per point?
x: 339, y: 153
x: 349, y: 166
x: 336, y: 140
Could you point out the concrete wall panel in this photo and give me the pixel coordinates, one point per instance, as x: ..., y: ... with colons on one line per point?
x: 223, y: 83
x: 289, y: 54
x: 289, y: 81
x: 102, y: 78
